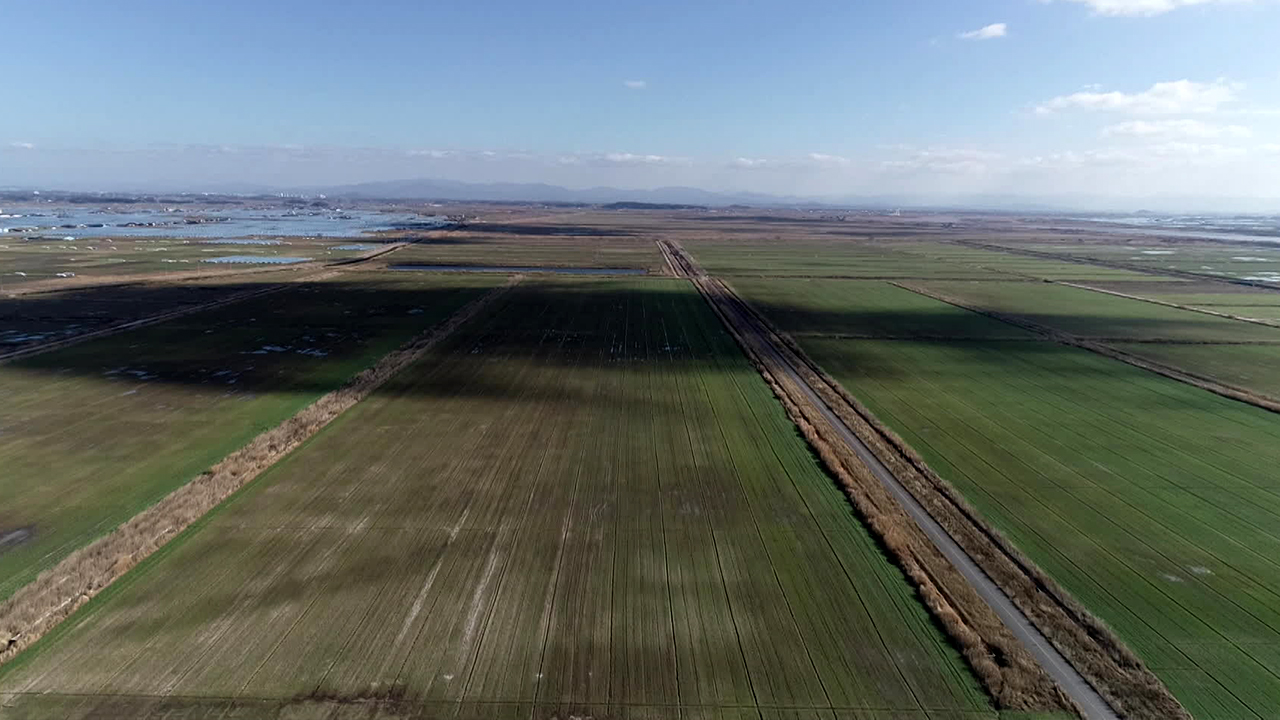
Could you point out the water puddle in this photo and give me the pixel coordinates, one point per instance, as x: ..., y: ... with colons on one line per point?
x: 521, y: 269
x: 10, y: 539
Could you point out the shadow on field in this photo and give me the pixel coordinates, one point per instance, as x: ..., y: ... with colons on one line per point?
x: 307, y: 337
x: 548, y: 230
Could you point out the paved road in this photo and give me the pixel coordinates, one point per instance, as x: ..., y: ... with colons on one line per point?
x: 1093, y: 705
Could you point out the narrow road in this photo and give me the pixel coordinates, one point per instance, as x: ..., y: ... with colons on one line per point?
x: 1072, y: 683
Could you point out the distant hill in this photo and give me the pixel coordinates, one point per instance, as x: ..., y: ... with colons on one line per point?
x: 429, y: 189
x: 651, y: 206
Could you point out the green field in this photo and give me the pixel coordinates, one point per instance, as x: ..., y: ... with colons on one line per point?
x: 1092, y: 314
x: 586, y: 503
x: 805, y: 257
x: 1239, y: 262
x: 1022, y: 265
x: 91, y: 434
x: 1153, y: 502
x: 1255, y: 367
x: 866, y: 307
x: 549, y: 245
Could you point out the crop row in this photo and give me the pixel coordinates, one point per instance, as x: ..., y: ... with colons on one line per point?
x: 588, y: 499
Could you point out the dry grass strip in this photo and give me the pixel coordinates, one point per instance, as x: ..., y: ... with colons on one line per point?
x: 1089, y: 645
x: 1009, y: 673
x: 1201, y: 381
x: 56, y: 593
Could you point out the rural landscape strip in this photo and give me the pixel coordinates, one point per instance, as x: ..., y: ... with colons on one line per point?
x: 1153, y: 301
x: 56, y: 593
x: 1205, y: 383
x: 1165, y: 272
x: 1094, y: 651
x: 1011, y: 675
x: 43, y: 347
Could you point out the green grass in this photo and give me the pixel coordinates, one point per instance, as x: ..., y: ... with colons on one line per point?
x: 94, y: 433
x: 865, y: 307
x: 477, y: 248
x: 1022, y: 265
x: 588, y: 501
x: 1093, y: 314
x: 806, y: 257
x: 1208, y: 259
x: 1253, y: 367
x: 1153, y: 502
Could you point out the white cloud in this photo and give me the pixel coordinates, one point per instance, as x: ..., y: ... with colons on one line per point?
x: 1175, y: 130
x: 825, y: 159
x: 743, y: 162
x: 946, y: 160
x: 1166, y: 98
x: 636, y: 84
x: 633, y: 159
x: 433, y: 154
x: 22, y: 145
x: 990, y: 32
x: 1146, y: 8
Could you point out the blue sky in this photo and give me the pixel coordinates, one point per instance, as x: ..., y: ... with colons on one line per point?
x: 934, y: 97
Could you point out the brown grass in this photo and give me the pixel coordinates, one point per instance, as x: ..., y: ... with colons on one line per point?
x: 56, y: 593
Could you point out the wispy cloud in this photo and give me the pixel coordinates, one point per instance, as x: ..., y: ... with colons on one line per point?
x: 626, y: 158
x: 433, y: 154
x: 744, y: 162
x: 1166, y: 98
x: 636, y: 84
x: 946, y: 160
x: 1146, y: 8
x: 1175, y: 130
x: 825, y: 159
x: 22, y: 145
x: 990, y: 32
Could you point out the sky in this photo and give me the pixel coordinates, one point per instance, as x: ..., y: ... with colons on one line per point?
x: 1119, y: 99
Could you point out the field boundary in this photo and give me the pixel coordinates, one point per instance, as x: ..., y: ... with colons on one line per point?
x: 1203, y: 382
x: 58, y: 592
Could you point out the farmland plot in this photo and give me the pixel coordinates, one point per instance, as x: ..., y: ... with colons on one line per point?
x: 806, y: 257
x: 91, y: 434
x: 1092, y: 314
x: 585, y: 503
x: 535, y: 244
x: 1155, y: 503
